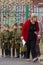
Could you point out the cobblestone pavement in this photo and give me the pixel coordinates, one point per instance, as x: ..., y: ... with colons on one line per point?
x: 15, y: 61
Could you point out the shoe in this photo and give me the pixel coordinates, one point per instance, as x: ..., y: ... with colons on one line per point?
x: 35, y: 59
x: 17, y: 57
x: 28, y: 60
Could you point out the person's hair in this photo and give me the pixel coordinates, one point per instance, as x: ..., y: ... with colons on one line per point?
x: 33, y: 15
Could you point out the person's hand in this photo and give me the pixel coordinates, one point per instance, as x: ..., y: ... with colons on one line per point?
x: 3, y: 44
x: 23, y: 42
x: 35, y: 32
x: 39, y: 36
x: 10, y: 41
x: 22, y: 38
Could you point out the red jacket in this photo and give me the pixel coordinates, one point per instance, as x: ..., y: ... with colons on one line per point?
x: 25, y: 29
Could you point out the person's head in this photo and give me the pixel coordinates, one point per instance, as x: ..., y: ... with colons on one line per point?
x: 20, y: 25
x: 34, y: 17
x: 15, y: 26
x: 6, y: 27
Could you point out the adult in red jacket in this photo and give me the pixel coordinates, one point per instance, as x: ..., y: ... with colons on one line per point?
x: 30, y: 30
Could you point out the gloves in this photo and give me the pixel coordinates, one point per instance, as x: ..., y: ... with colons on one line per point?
x: 23, y: 41
x: 39, y: 36
x: 35, y: 32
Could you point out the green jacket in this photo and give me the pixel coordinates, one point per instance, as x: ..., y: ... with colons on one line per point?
x: 1, y: 40
x: 6, y: 39
x: 14, y: 37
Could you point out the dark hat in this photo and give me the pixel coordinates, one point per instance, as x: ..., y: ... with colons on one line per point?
x: 21, y: 24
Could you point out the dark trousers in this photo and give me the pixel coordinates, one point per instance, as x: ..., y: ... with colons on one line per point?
x: 38, y: 48
x: 25, y: 54
x: 31, y: 47
x: 18, y: 52
x: 7, y: 52
x: 2, y: 52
